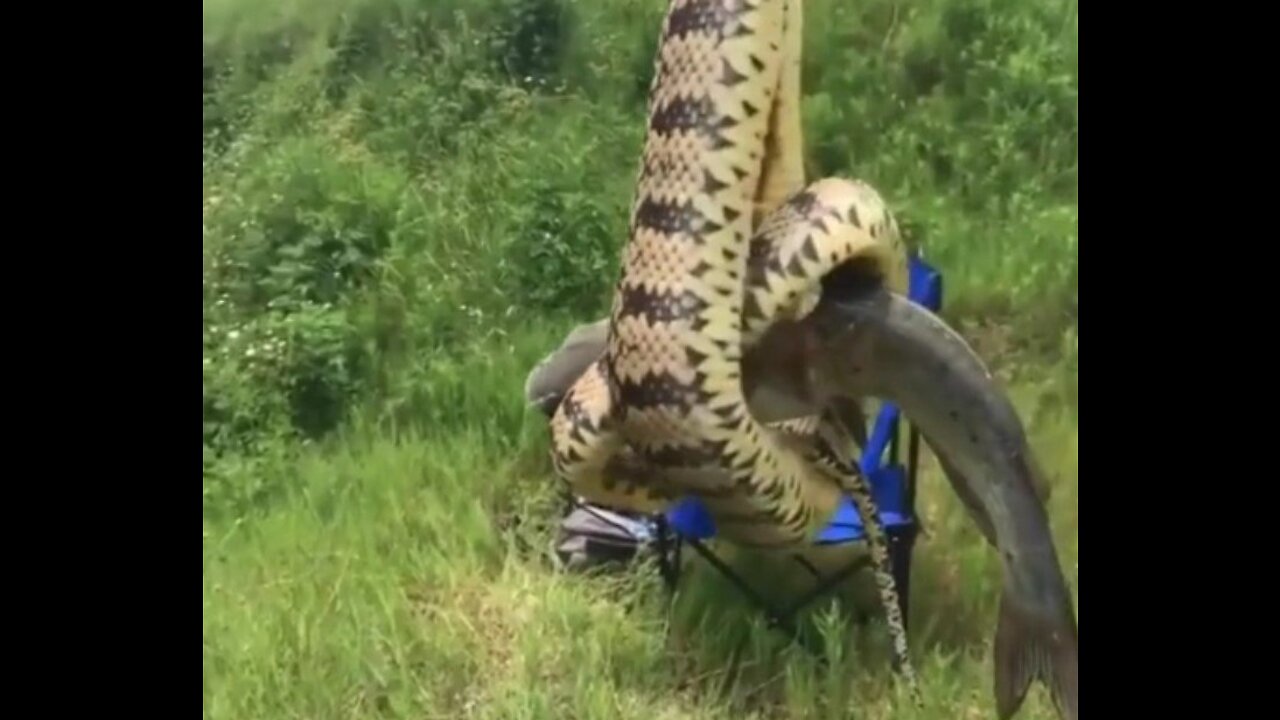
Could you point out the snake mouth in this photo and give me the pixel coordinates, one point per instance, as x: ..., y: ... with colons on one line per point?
x: 854, y: 280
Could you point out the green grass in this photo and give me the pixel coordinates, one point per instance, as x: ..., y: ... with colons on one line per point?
x: 394, y: 581
x: 408, y: 202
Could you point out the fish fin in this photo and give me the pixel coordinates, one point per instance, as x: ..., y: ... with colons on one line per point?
x: 1028, y: 649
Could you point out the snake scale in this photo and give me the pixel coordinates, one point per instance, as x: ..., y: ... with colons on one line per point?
x: 726, y: 240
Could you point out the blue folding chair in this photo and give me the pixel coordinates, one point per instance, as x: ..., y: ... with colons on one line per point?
x: 893, y: 487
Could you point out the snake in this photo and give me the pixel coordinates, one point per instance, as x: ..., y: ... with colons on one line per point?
x: 726, y: 240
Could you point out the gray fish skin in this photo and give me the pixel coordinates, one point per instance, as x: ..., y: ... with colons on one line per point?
x: 876, y: 343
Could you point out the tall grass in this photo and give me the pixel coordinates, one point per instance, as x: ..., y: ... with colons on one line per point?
x: 408, y: 577
x: 408, y: 202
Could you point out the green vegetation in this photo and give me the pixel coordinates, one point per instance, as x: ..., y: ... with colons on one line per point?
x: 408, y: 202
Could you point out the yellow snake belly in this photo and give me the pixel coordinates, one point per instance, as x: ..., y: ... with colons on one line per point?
x: 700, y: 282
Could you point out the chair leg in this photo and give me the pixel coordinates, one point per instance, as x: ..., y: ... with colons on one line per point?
x: 828, y: 583
x: 669, y: 555
x: 778, y: 619
x: 901, y: 543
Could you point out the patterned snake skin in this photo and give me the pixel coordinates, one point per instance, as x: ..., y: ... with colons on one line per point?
x: 726, y: 241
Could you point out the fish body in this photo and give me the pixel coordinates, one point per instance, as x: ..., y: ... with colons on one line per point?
x: 880, y: 344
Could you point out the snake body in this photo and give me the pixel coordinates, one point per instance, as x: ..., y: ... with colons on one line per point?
x: 725, y: 241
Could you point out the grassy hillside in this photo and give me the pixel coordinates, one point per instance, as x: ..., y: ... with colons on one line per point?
x: 408, y: 202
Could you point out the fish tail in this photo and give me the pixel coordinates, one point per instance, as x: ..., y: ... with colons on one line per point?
x: 1028, y: 648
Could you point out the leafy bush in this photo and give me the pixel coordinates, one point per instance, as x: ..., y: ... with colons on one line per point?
x: 300, y: 224
x: 530, y: 40
x: 975, y: 98
x: 565, y: 254
x: 289, y: 238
